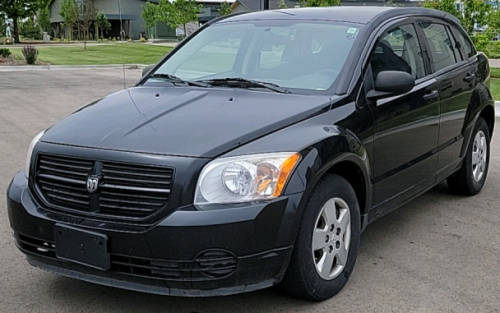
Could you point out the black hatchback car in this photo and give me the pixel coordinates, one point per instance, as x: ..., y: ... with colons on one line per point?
x: 256, y: 152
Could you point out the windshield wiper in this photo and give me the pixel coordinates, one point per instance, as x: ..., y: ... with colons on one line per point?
x: 177, y: 80
x: 242, y: 82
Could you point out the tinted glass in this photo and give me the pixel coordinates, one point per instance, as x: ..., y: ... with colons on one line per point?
x: 292, y: 54
x: 464, y: 43
x: 398, y: 50
x: 440, y: 45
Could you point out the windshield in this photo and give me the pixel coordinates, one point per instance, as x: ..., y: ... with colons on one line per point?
x: 289, y: 54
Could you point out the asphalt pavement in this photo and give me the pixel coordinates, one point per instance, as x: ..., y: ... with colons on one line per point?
x: 439, y: 253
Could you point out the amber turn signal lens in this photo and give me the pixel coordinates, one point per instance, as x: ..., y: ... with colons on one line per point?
x: 285, y: 171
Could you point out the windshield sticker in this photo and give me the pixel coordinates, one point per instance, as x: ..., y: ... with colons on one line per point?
x: 352, y: 30
x: 351, y: 37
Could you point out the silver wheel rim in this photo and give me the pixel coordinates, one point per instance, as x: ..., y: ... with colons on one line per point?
x: 479, y: 155
x: 331, y: 238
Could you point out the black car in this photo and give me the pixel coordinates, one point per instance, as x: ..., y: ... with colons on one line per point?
x: 256, y: 152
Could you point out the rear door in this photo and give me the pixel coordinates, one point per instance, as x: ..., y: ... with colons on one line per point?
x: 457, y: 80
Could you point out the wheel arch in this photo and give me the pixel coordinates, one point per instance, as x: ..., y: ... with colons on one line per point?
x: 488, y: 114
x: 350, y: 162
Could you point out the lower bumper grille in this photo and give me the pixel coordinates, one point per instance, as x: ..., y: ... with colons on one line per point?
x: 207, y: 265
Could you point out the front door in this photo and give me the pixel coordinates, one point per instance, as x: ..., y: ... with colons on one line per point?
x: 406, y: 127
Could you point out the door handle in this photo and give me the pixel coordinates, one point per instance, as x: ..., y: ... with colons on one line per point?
x: 446, y: 86
x: 431, y: 95
x: 469, y: 77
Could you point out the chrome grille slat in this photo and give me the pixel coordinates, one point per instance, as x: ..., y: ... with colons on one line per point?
x: 126, y: 191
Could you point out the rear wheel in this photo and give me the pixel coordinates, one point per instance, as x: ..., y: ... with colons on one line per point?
x: 327, y: 242
x: 470, y: 178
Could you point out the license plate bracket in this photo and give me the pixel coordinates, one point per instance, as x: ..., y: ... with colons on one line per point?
x: 82, y: 246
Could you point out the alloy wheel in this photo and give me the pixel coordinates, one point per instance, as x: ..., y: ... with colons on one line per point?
x: 479, y: 156
x: 331, y: 238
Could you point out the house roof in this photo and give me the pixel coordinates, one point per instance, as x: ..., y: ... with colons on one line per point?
x: 251, y: 5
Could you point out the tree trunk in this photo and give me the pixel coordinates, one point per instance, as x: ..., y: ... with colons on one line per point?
x: 185, y: 33
x: 16, y: 30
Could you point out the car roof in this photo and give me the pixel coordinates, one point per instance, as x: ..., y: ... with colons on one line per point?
x: 359, y: 15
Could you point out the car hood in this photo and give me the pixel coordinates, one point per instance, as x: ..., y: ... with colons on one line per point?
x: 182, y: 121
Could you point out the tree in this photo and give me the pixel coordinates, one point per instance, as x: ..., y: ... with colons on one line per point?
x: 321, y: 3
x: 87, y: 14
x: 282, y: 4
x: 102, y: 23
x: 69, y: 12
x: 474, y: 12
x: 179, y: 12
x: 16, y: 9
x: 30, y: 29
x: 225, y: 8
x: 43, y: 19
x: 150, y: 15
x: 3, y: 25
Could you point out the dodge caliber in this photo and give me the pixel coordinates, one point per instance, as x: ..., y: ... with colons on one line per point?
x: 256, y: 152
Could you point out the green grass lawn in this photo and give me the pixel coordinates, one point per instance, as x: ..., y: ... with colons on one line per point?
x: 123, y: 53
x: 495, y: 83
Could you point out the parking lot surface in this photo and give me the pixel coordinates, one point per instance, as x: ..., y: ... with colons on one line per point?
x: 439, y: 253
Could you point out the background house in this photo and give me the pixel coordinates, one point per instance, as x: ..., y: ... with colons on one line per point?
x: 241, y: 6
x: 126, y: 15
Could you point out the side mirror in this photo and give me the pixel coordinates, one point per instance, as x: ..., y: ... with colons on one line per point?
x: 391, y: 83
x: 147, y: 68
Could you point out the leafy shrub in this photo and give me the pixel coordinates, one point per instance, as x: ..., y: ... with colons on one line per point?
x: 30, y: 29
x: 143, y: 39
x: 30, y: 54
x: 4, y: 52
x: 114, y: 38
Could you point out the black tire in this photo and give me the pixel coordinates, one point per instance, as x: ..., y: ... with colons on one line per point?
x: 463, y: 182
x: 301, y: 279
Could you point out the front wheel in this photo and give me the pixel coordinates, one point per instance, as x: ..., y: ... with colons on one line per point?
x: 470, y: 178
x: 327, y: 242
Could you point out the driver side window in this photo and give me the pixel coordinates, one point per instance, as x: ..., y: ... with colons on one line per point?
x: 398, y: 50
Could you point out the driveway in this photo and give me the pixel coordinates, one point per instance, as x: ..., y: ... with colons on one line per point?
x: 439, y: 253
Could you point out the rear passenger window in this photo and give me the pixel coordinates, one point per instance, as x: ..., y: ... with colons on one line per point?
x: 464, y: 43
x: 441, y: 45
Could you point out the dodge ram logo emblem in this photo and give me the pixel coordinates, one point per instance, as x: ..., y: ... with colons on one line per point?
x: 92, y: 183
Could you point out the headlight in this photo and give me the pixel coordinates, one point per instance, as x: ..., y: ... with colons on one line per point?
x: 30, y: 152
x: 245, y: 178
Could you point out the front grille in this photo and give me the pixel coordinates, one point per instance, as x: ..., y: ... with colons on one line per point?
x: 212, y: 264
x: 124, y: 191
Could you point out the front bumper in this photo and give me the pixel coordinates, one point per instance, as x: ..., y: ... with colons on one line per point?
x: 188, y: 253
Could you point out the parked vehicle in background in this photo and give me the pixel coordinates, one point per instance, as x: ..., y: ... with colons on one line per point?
x: 256, y: 153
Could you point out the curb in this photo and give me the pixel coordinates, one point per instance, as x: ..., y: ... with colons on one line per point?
x: 23, y: 68
x: 497, y: 108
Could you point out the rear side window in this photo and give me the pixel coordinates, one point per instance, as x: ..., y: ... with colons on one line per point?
x: 464, y: 43
x: 440, y: 44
